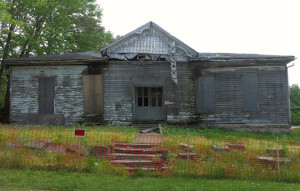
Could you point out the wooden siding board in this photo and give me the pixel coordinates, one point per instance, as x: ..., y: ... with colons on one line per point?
x: 250, y: 93
x: 93, y: 94
x: 119, y: 79
x: 46, y: 94
x: 205, y: 95
x: 272, y: 91
x: 68, y: 96
x: 118, y: 97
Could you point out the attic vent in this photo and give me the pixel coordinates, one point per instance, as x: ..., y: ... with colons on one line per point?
x: 147, y: 57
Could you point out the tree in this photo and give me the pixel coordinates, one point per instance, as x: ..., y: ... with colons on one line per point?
x: 295, y: 104
x: 43, y: 27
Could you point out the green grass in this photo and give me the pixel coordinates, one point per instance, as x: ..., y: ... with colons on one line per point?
x: 64, y: 181
x: 170, y: 130
x: 218, y: 133
x: 234, y: 164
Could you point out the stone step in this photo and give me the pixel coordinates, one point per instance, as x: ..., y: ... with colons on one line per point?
x: 275, y: 151
x: 236, y: 146
x: 140, y: 151
x: 125, y: 156
x: 133, y: 169
x: 274, y: 160
x: 146, y: 125
x: 220, y: 148
x: 148, y: 139
x: 186, y: 156
x: 137, y: 163
x: 133, y: 145
x: 38, y: 144
x: 186, y: 147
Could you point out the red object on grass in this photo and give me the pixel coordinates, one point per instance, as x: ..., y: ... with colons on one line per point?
x: 79, y: 132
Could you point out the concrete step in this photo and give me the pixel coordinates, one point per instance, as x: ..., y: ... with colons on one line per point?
x: 125, y: 156
x: 137, y: 163
x: 133, y: 145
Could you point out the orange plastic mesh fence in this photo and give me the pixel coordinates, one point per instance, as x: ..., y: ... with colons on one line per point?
x: 116, y: 152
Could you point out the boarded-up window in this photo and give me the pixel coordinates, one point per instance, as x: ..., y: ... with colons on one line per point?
x: 250, y: 92
x: 92, y: 93
x: 46, y: 95
x: 205, y: 95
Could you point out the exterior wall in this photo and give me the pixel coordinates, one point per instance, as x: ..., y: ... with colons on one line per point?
x: 68, y: 92
x: 120, y: 78
x: 273, y: 99
x: 182, y: 97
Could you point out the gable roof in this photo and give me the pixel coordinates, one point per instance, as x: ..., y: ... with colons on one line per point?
x: 147, y: 39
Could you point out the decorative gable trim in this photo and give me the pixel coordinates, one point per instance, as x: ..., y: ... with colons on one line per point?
x: 149, y: 40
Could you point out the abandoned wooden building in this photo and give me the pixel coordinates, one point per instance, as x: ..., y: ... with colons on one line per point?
x: 150, y: 76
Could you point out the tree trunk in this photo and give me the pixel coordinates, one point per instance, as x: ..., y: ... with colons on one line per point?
x: 5, y: 117
x: 6, y: 49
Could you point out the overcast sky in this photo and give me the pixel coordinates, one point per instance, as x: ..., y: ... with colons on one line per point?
x: 233, y: 26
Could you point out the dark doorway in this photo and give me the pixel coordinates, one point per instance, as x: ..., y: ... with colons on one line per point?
x: 46, y: 95
x: 149, y: 104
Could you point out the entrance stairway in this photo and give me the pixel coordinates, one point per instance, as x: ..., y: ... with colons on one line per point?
x: 139, y: 156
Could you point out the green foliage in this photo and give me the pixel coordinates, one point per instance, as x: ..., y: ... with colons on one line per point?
x: 295, y: 104
x: 51, y: 27
x: 295, y: 95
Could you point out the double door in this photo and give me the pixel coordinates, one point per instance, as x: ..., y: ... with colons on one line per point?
x: 149, y: 104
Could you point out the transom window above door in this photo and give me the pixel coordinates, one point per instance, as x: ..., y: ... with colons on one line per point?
x: 149, y: 97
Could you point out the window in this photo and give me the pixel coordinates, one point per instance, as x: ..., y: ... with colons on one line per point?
x: 250, y: 93
x: 149, y: 97
x: 205, y: 95
x: 143, y: 97
x: 156, y: 97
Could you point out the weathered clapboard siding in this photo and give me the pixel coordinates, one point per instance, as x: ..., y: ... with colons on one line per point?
x: 182, y: 96
x: 272, y: 90
x: 68, y: 91
x: 121, y: 77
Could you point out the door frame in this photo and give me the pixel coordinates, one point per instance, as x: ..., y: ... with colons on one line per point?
x: 149, y: 111
x: 156, y: 85
x: 148, y: 81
